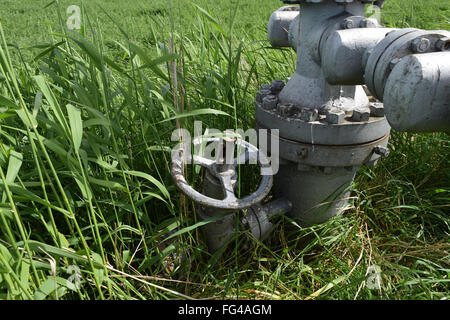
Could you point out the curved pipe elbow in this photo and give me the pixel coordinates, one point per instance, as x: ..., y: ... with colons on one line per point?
x: 283, y: 27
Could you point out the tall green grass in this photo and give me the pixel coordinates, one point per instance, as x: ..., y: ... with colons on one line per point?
x: 85, y: 128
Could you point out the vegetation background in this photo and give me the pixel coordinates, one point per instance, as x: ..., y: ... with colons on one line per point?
x: 85, y: 125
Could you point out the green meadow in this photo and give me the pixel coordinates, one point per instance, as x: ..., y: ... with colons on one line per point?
x: 85, y: 136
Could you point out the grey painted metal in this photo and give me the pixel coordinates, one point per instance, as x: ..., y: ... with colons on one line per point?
x: 326, y: 127
x: 397, y: 45
x: 320, y: 131
x: 308, y: 87
x: 257, y: 217
x: 317, y: 193
x: 417, y: 93
x: 330, y: 156
x: 342, y: 54
x: 279, y: 30
x: 226, y: 173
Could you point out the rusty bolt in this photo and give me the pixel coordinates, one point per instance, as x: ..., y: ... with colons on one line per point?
x: 369, y: 23
x: 347, y: 24
x: 420, y: 45
x: 335, y: 116
x: 261, y: 94
x: 307, y: 114
x: 377, y: 109
x: 443, y: 44
x: 269, y: 102
x: 277, y: 86
x: 382, y: 151
x: 393, y: 63
x: 360, y: 115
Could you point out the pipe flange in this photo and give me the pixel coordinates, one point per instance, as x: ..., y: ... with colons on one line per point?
x: 396, y: 45
x: 320, y: 131
x: 332, y: 156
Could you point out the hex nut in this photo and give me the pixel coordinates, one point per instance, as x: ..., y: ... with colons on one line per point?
x: 443, y: 44
x: 261, y: 94
x: 269, y: 102
x: 420, y: 45
x: 335, y: 116
x: 361, y: 115
x: 347, y: 24
x: 287, y: 110
x: 277, y: 86
x: 382, y: 151
x: 308, y: 114
x: 376, y: 109
x: 394, y: 62
x: 369, y: 23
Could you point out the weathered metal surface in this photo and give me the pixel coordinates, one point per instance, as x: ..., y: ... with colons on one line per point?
x: 317, y: 193
x: 342, y: 54
x: 330, y: 156
x: 279, y: 30
x: 417, y: 93
x: 320, y: 131
x: 257, y: 217
x: 226, y: 177
x: 397, y: 45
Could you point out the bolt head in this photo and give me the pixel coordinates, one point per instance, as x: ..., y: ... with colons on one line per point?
x: 348, y: 24
x: 277, y: 86
x: 307, y: 114
x: 443, y: 44
x: 335, y: 116
x: 261, y: 94
x: 377, y: 109
x: 269, y: 102
x: 393, y: 63
x: 369, y: 23
x: 382, y: 151
x: 420, y: 45
x: 361, y: 115
x: 287, y: 110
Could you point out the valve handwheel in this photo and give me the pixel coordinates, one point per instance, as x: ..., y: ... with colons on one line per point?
x: 224, y: 172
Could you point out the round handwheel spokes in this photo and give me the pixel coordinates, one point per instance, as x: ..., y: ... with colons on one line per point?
x: 225, y: 172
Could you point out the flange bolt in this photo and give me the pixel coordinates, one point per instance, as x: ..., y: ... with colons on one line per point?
x: 443, y: 44
x: 347, y: 24
x: 377, y: 109
x: 420, y: 45
x: 269, y: 102
x: 394, y: 62
x: 361, y: 115
x: 382, y: 151
x: 277, y: 86
x: 308, y: 114
x: 369, y: 23
x: 335, y: 116
x: 261, y: 94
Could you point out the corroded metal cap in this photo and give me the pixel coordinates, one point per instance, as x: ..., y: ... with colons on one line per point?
x: 378, y: 3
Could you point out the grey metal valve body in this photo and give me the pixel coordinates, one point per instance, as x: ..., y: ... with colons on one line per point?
x: 327, y: 126
x: 327, y: 129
